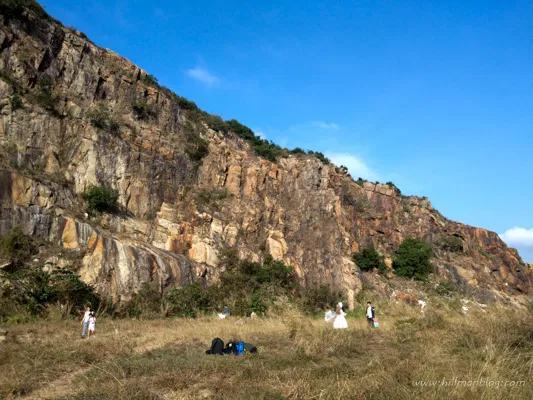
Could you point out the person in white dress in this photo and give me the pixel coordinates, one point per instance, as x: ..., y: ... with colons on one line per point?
x: 92, y: 324
x: 340, y: 320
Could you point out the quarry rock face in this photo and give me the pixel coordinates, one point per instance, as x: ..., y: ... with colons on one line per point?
x: 178, y: 212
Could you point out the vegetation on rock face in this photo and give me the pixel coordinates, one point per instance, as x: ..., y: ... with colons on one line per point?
x: 102, y: 118
x: 394, y: 187
x: 16, y: 102
x: 149, y: 79
x: 143, y: 110
x: 412, y: 259
x: 16, y: 8
x: 320, y: 156
x: 16, y: 247
x: 450, y: 243
x: 45, y: 95
x: 212, y: 197
x: 100, y: 199
x: 368, y: 258
x: 297, y: 150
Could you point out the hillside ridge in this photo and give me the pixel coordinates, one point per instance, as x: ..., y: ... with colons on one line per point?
x: 190, y: 184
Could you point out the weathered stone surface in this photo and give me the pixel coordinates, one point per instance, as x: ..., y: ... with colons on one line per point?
x: 298, y: 209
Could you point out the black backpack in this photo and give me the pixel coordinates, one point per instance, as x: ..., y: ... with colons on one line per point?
x: 217, y: 347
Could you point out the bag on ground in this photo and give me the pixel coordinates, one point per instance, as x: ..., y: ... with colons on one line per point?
x: 239, y: 348
x: 217, y: 347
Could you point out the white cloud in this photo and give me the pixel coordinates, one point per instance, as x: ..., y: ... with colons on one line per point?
x: 325, y: 125
x: 203, y: 75
x: 521, y: 239
x: 518, y: 237
x: 356, y: 166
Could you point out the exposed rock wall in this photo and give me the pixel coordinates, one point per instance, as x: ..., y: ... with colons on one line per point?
x: 178, y: 212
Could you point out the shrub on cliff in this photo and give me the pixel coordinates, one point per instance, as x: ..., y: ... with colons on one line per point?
x: 394, y: 187
x: 16, y: 102
x: 101, y: 118
x: 143, y: 111
x: 450, y: 243
x: 45, y: 95
x: 100, y: 199
x: 196, y: 147
x: 411, y: 259
x: 368, y: 258
x: 149, y: 79
x: 16, y: 247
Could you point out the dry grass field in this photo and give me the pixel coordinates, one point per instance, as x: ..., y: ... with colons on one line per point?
x: 439, y: 355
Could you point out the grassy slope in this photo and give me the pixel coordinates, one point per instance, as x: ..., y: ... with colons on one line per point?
x: 300, y: 358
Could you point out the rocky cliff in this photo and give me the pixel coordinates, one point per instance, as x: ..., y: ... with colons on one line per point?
x: 73, y: 115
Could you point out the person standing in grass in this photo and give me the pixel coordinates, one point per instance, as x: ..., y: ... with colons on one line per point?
x: 85, y: 321
x: 340, y: 320
x: 370, y: 314
x: 92, y: 324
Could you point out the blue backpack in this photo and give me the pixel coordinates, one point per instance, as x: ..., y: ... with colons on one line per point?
x: 239, y: 348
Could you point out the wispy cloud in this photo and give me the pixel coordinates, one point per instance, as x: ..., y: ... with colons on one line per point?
x: 325, y: 125
x: 356, y: 166
x: 522, y: 239
x: 203, y: 75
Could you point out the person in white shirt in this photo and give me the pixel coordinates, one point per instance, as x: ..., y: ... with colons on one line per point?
x: 370, y: 314
x: 92, y: 324
x: 85, y: 321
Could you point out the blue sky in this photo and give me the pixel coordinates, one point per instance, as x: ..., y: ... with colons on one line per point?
x: 436, y: 96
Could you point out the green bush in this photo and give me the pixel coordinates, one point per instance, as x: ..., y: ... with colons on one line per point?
x: 101, y: 199
x: 29, y: 290
x: 185, y: 104
x: 71, y: 291
x: 189, y: 300
x: 343, y: 169
x: 196, y: 147
x: 143, y: 111
x: 16, y: 102
x: 45, y: 96
x: 244, y: 287
x: 368, y: 258
x: 267, y: 150
x: 320, y: 156
x: 316, y: 299
x: 216, y: 123
x: 15, y: 8
x: 297, y: 150
x: 446, y: 288
x: 150, y: 80
x: 394, y: 187
x: 16, y: 247
x: 212, y: 197
x: 451, y: 243
x: 146, y: 302
x: 102, y: 118
x: 240, y: 130
x: 412, y: 259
